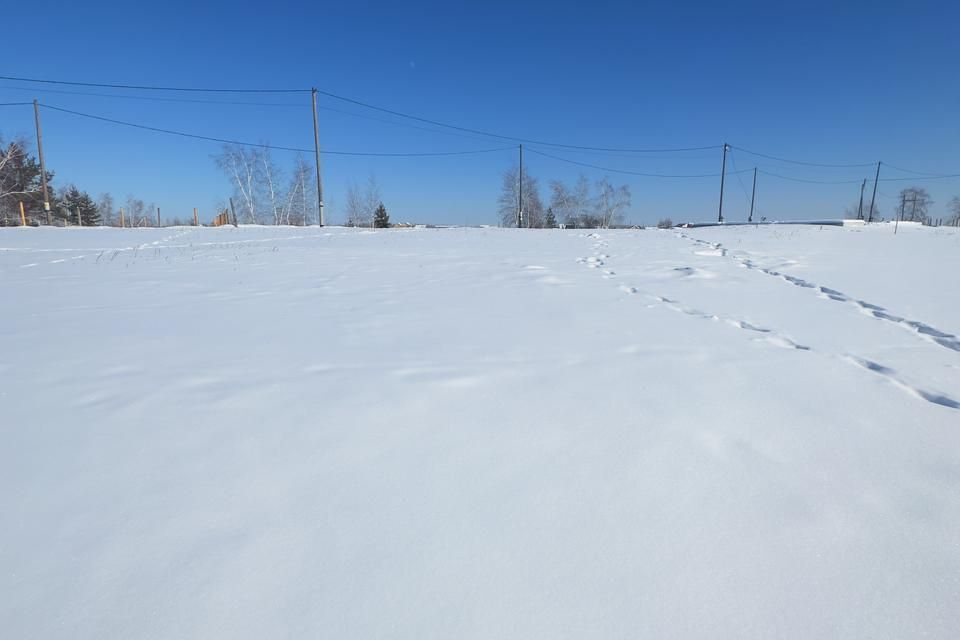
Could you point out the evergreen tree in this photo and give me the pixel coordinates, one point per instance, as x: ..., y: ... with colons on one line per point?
x: 551, y: 221
x: 380, y: 218
x: 74, y: 201
x: 20, y: 182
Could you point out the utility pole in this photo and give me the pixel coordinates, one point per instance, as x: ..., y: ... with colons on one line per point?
x: 860, y: 209
x: 723, y: 173
x: 158, y: 217
x: 79, y: 219
x: 43, y: 170
x: 753, y: 194
x: 316, y: 152
x: 903, y: 201
x: 874, y: 197
x: 520, y: 193
x: 233, y: 212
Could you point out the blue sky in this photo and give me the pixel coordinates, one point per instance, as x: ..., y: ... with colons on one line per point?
x: 819, y: 82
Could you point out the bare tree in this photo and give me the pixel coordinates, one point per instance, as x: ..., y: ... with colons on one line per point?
x: 853, y: 210
x: 509, y: 202
x: 301, y: 207
x: 953, y: 207
x: 917, y: 202
x: 136, y: 210
x: 362, y: 203
x: 241, y: 166
x: 371, y: 200
x: 573, y: 206
x: 611, y: 202
x: 106, y: 207
x: 354, y: 206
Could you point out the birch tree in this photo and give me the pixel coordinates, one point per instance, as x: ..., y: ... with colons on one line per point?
x: 362, y: 203
x: 300, y: 193
x: 106, y: 207
x: 240, y: 164
x: 508, y: 203
x: 573, y: 206
x: 953, y: 207
x: 611, y: 203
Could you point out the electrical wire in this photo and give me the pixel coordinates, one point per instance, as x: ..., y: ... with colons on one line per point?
x: 777, y: 175
x: 809, y: 164
x: 922, y: 178
x: 504, y: 137
x: 151, y: 88
x: 269, y: 146
x: 733, y: 163
x: 156, y: 98
x: 351, y: 101
x: 624, y: 171
x: 243, y: 103
x: 14, y: 104
x: 919, y: 173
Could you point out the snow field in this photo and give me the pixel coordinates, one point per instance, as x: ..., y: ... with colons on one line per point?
x: 283, y: 432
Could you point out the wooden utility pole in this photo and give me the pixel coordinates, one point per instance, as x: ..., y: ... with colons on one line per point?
x: 158, y: 217
x: 43, y: 169
x: 79, y: 219
x: 896, y: 225
x: 233, y: 212
x: 196, y: 219
x: 23, y: 217
x: 316, y: 152
x: 520, y: 193
x: 121, y: 218
x: 753, y: 194
x: 874, y: 197
x: 723, y: 173
x: 860, y: 209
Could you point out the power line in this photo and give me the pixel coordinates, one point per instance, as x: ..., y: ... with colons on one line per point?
x: 782, y: 177
x: 919, y: 173
x: 242, y: 103
x: 155, y: 98
x: 14, y: 104
x: 809, y: 164
x: 743, y: 187
x: 504, y: 137
x: 269, y: 146
x: 352, y: 101
x: 151, y: 88
x: 921, y: 178
x: 624, y: 171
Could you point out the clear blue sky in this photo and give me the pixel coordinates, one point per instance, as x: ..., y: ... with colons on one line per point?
x: 819, y: 82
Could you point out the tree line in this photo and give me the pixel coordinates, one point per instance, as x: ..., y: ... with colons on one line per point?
x: 582, y: 205
x: 264, y: 192
x: 21, y: 183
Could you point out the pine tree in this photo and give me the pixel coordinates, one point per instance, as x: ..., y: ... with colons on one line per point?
x: 551, y: 221
x: 380, y: 218
x: 75, y: 201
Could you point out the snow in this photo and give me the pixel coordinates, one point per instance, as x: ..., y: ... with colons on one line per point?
x: 743, y: 432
